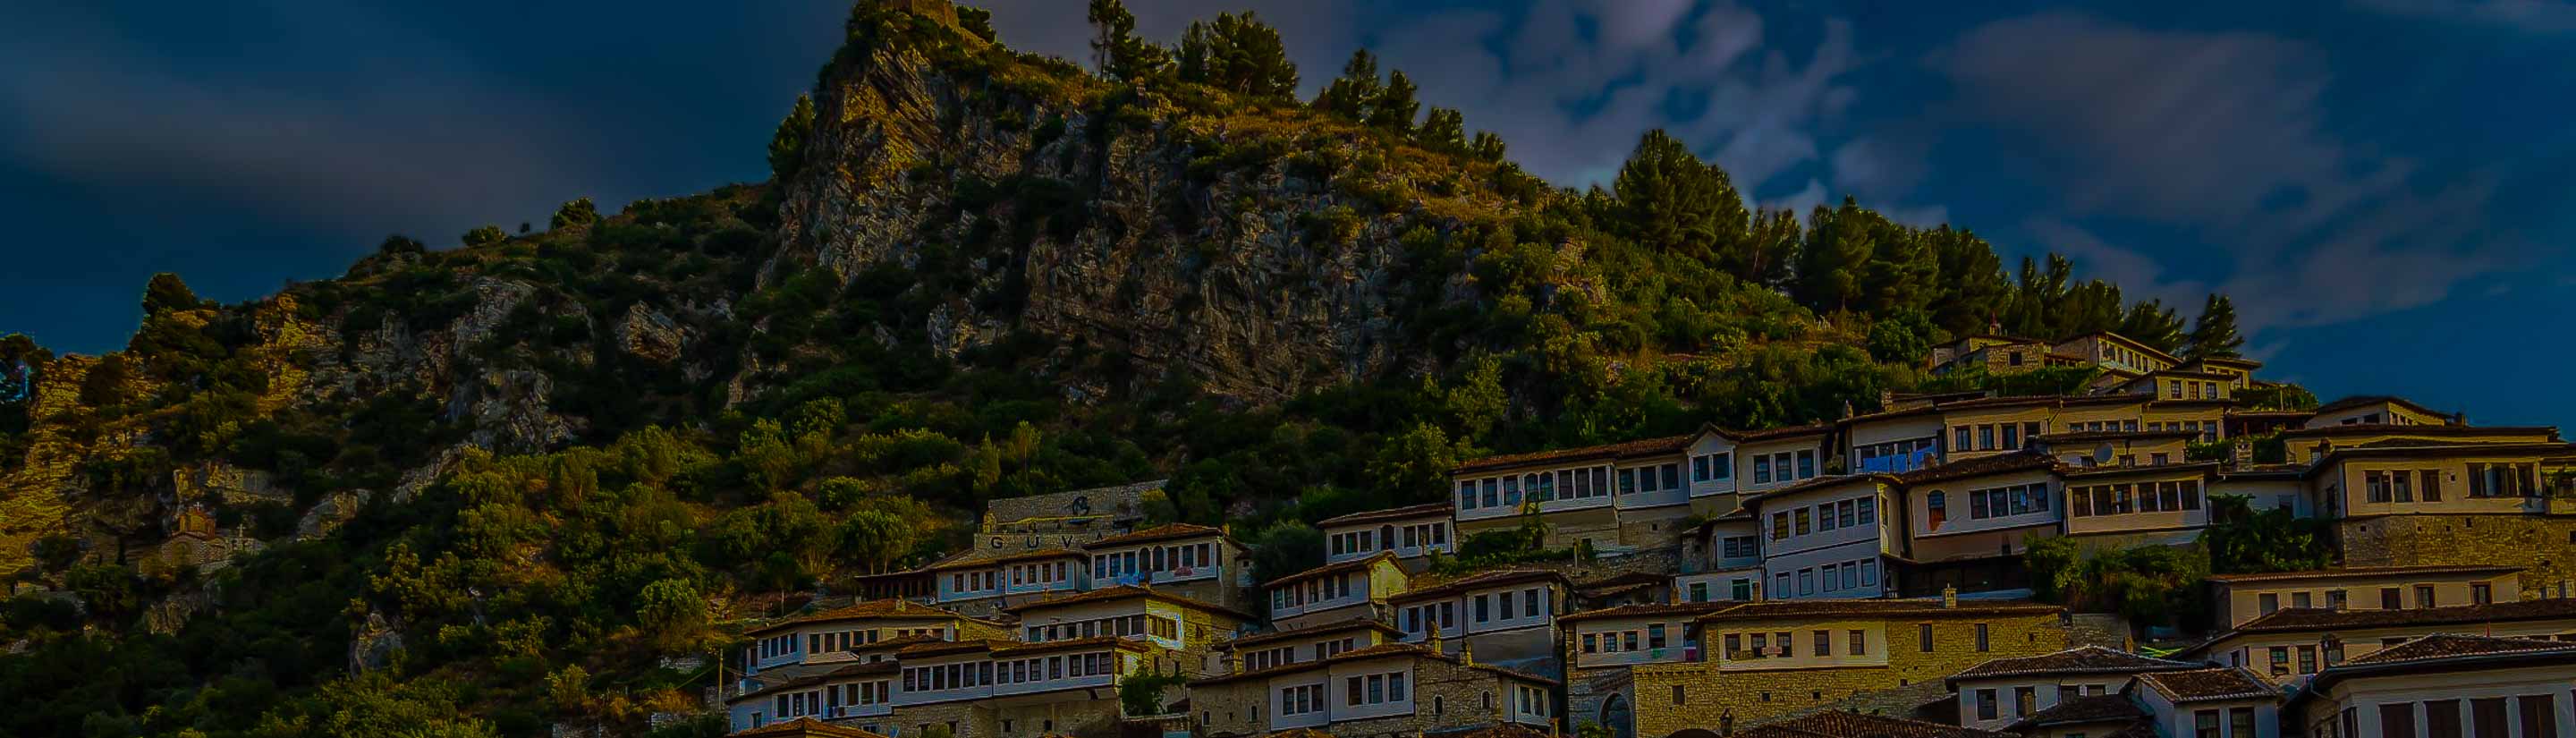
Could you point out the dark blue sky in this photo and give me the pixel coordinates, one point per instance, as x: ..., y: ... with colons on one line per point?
x: 2382, y: 185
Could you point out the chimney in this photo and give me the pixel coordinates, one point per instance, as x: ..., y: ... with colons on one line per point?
x: 1887, y: 399
x: 1233, y: 662
x: 1432, y: 641
x: 1466, y: 652
x: 1949, y: 596
x: 2241, y: 453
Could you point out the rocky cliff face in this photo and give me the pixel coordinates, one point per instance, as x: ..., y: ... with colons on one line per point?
x: 975, y: 194
x: 1224, y: 247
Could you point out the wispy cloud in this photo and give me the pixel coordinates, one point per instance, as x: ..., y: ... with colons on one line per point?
x: 2223, y: 135
x: 2537, y: 16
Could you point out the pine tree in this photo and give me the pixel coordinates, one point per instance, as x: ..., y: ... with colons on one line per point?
x: 2213, y: 334
x: 1831, y: 259
x: 1238, y: 54
x: 167, y: 292
x: 1444, y: 130
x: 1352, y: 94
x: 1394, y: 108
x: 2153, y: 324
x: 787, y: 146
x: 1115, y: 50
x: 1970, y: 289
x: 1669, y: 200
x: 1487, y: 146
x: 579, y: 212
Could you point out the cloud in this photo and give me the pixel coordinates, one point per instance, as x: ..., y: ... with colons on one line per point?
x: 2140, y: 276
x: 2536, y: 16
x: 2224, y: 135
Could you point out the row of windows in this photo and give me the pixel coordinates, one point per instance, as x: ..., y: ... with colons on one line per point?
x: 2502, y: 480
x: 799, y: 704
x: 2176, y: 389
x: 1018, y: 671
x: 1656, y: 478
x: 1319, y: 589
x: 1300, y: 700
x: 2390, y: 598
x: 1532, y: 700
x: 1778, y: 467
x: 1418, y: 618
x: 1896, y: 457
x: 1651, y: 636
x: 2026, y: 700
x: 2240, y: 724
x: 1124, y: 625
x: 2537, y: 714
x: 1542, y: 486
x: 1716, y: 467
x: 1739, y: 589
x: 1740, y: 547
x: 2399, y: 485
x: 1826, y: 516
x: 1999, y: 502
x: 1533, y: 602
x: 1269, y: 657
x: 1154, y: 559
x: 1992, y: 436
x: 1373, y: 689
x: 1836, y: 577
x: 859, y: 693
x: 2143, y: 497
x: 1783, y: 644
x: 2207, y: 429
x: 1370, y: 541
x: 844, y: 640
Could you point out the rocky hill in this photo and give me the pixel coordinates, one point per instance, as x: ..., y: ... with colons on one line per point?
x: 518, y: 473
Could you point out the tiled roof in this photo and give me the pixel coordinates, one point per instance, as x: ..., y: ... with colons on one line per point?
x: 1643, y: 446
x: 2115, y: 470
x: 2451, y: 645
x: 1121, y: 592
x: 1841, y: 724
x: 2079, y: 437
x: 2081, y: 660
x: 2141, y: 346
x: 2317, y: 618
x: 1819, y: 483
x: 1434, y: 509
x: 2367, y: 400
x: 1980, y: 466
x: 2091, y: 708
x: 1332, y: 568
x: 2358, y: 429
x: 1790, y: 431
x: 1647, y: 610
x: 2005, y: 402
x: 868, y: 609
x: 1497, y: 730
x: 1773, y: 609
x: 1015, y: 647
x: 1487, y: 579
x: 1357, y: 623
x: 936, y: 648
x: 2200, y: 685
x: 974, y: 561
x: 2361, y: 571
x: 1379, y: 650
x: 1164, y: 532
x: 804, y: 727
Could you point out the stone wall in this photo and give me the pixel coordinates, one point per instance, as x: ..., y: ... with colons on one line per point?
x: 1749, y: 698
x: 1094, y: 717
x: 2547, y: 545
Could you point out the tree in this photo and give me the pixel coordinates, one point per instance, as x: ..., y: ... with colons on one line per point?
x: 1444, y: 130
x: 1394, y: 108
x: 1670, y: 201
x: 578, y: 213
x: 1286, y: 547
x: 166, y: 292
x: 1352, y: 94
x: 977, y: 21
x: 2153, y: 324
x: 787, y: 146
x: 2242, y: 541
x: 1487, y: 146
x: 1115, y: 50
x: 486, y: 234
x: 1238, y: 54
x: 398, y: 244
x: 1834, y: 257
x: 671, y: 610
x: 2213, y: 334
x: 1969, y: 295
x: 1413, y: 466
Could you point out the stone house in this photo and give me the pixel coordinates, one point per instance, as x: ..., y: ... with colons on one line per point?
x: 1764, y: 661
x: 1391, y: 690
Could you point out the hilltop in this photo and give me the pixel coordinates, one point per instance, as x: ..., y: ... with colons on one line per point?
x: 510, y: 475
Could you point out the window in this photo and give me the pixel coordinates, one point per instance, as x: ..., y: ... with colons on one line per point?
x: 1868, y: 511
x: 2307, y: 659
x: 2026, y: 701
x: 2487, y: 718
x: 1761, y: 470
x: 2432, y: 484
x: 1937, y: 506
x: 1806, y: 581
x: 1800, y: 515
x: 1959, y: 438
x: 2270, y: 602
x: 1699, y: 592
x: 2389, y: 599
x: 1985, y: 438
x: 2539, y: 714
x: 1780, y: 526
x: 2481, y: 594
x: 2240, y: 722
x: 1869, y: 572
x: 2280, y: 660
x: 2335, y: 598
x: 2204, y: 724
x: 1982, y: 644
x: 1807, y: 466
x: 2424, y: 596
x: 1591, y: 643
x: 1824, y: 643
x: 1655, y: 635
x: 1679, y: 695
x: 2442, y: 718
x: 1923, y: 636
x: 2300, y: 599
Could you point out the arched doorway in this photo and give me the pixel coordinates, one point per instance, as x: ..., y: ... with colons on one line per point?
x: 1617, y: 716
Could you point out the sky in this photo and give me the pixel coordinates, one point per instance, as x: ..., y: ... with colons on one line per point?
x: 2382, y: 186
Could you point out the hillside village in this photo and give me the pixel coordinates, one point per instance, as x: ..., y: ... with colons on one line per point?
x: 1870, y: 576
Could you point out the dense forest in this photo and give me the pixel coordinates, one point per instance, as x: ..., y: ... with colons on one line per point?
x: 496, y: 486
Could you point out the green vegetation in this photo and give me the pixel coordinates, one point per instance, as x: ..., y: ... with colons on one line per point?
x: 2148, y: 585
x: 612, y: 493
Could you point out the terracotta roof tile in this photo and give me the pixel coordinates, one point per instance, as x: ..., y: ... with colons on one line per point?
x: 804, y: 727
x: 2358, y: 429
x: 860, y: 610
x: 1359, y: 623
x: 2317, y: 618
x: 1819, y: 483
x: 2452, y: 645
x: 2091, y: 708
x: 1434, y: 509
x: 1841, y: 724
x: 1125, y: 591
x: 1370, y: 652
x: 2361, y: 571
x: 2081, y: 660
x: 1980, y: 466
x: 976, y: 559
x: 1332, y: 568
x: 1775, y: 609
x: 2201, y: 685
x: 1639, y: 447
x: 2367, y: 400
x: 1647, y: 610
x: 1487, y: 579
x: 1164, y: 532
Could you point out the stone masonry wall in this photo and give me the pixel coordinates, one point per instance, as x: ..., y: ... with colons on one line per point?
x: 2545, y: 544
x: 1750, y: 698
